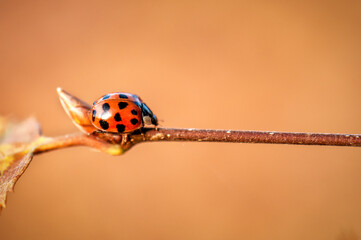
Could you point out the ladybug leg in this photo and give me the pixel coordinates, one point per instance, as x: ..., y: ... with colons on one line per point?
x: 142, y: 133
x: 143, y: 136
x: 124, y: 138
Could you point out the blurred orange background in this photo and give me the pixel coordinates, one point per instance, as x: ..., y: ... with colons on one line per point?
x: 248, y: 65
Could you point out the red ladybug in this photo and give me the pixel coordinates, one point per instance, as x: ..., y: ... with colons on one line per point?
x: 121, y: 113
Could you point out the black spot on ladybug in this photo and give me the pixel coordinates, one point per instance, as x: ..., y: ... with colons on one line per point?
x: 94, y: 113
x: 104, y: 124
x: 120, y: 128
x: 117, y: 117
x: 123, y: 96
x: 134, y: 121
x: 134, y: 112
x: 106, y: 97
x: 106, y: 107
x: 122, y: 105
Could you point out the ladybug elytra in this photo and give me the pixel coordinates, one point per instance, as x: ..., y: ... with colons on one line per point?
x: 121, y: 113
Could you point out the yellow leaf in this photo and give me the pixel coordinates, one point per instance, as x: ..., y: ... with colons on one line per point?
x: 18, y: 142
x: 7, y: 181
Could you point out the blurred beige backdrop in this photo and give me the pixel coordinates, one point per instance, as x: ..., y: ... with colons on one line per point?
x: 251, y: 65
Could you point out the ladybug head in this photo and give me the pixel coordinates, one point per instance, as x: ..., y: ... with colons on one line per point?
x: 148, y: 117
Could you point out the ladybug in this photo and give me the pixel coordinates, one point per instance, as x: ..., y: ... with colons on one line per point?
x: 121, y: 113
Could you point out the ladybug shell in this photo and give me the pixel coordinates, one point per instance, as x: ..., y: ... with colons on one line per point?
x: 112, y: 113
x: 118, y: 95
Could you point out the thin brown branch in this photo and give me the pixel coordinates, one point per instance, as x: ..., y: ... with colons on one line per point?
x: 112, y: 143
x: 202, y: 135
x: 81, y: 139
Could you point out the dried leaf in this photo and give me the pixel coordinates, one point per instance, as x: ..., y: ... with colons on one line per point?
x: 12, y: 174
x: 18, y: 142
x: 77, y: 110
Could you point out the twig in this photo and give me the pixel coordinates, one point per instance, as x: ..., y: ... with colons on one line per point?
x: 201, y: 135
x: 112, y: 144
x: 81, y: 139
